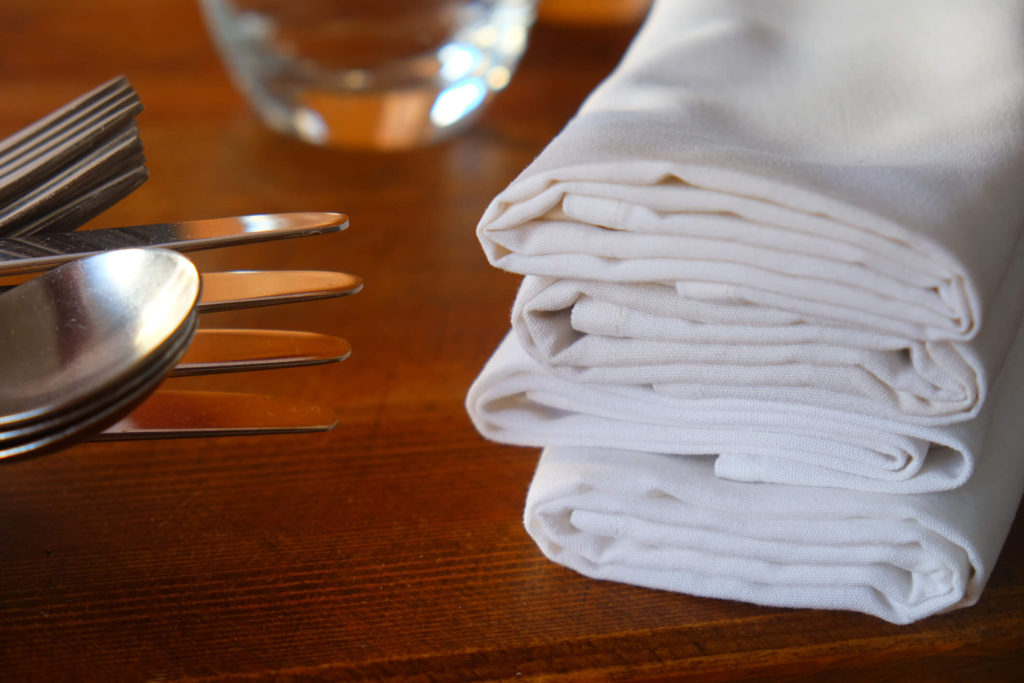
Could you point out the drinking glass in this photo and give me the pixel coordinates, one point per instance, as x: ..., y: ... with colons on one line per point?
x: 377, y: 74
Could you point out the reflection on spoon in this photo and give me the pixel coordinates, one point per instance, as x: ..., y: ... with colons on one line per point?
x: 72, y: 336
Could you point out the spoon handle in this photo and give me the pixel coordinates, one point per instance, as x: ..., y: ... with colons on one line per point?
x: 233, y: 290
x: 38, y: 253
x: 168, y: 414
x: 218, y: 351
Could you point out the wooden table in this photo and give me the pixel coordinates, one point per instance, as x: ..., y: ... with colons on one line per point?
x: 391, y: 547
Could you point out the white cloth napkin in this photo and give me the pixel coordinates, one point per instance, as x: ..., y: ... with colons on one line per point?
x: 780, y: 244
x: 517, y: 400
x: 669, y: 522
x: 814, y: 200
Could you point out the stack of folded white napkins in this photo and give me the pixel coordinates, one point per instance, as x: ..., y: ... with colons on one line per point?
x: 768, y: 330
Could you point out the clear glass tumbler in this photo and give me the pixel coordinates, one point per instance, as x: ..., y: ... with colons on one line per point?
x: 372, y: 74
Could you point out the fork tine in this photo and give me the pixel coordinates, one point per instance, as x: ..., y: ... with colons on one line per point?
x: 60, y: 151
x: 72, y: 180
x: 111, y: 151
x: 80, y: 209
x: 69, y: 166
x: 38, y: 128
x: 89, y: 123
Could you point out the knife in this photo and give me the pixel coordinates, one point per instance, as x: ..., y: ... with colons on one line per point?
x: 41, y: 252
x: 215, y: 351
x: 167, y: 414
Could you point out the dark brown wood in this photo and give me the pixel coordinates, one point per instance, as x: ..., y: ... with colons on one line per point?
x: 391, y: 547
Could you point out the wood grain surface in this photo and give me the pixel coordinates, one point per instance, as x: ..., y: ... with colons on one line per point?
x: 391, y: 548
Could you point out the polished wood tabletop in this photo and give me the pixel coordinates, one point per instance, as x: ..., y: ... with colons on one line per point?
x: 392, y: 547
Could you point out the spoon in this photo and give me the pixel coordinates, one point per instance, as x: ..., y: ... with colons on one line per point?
x: 37, y: 253
x: 82, y: 344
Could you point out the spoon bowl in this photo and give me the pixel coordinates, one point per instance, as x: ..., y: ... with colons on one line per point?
x: 83, y: 342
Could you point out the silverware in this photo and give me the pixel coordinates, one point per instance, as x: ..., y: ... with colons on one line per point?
x: 41, y: 252
x: 56, y: 139
x: 74, y: 194
x: 79, y: 209
x: 236, y: 289
x: 80, y: 348
x: 72, y: 164
x: 188, y: 414
x: 231, y: 290
x: 217, y: 351
x: 87, y: 343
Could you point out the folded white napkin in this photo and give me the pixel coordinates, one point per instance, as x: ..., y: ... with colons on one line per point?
x: 517, y: 400
x: 608, y: 510
x: 667, y: 522
x: 781, y: 244
x: 816, y: 201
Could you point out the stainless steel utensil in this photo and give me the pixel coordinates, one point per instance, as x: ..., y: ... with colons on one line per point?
x: 55, y: 140
x: 232, y: 290
x: 67, y: 191
x: 217, y: 351
x: 189, y: 414
x: 87, y: 343
x: 83, y: 343
x: 38, y: 253
x: 72, y: 164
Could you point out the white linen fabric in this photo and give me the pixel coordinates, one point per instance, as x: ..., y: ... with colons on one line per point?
x: 818, y: 197
x: 768, y: 329
x: 518, y: 401
x: 669, y: 522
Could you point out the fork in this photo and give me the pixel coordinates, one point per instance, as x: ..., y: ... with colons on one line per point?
x: 72, y: 164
